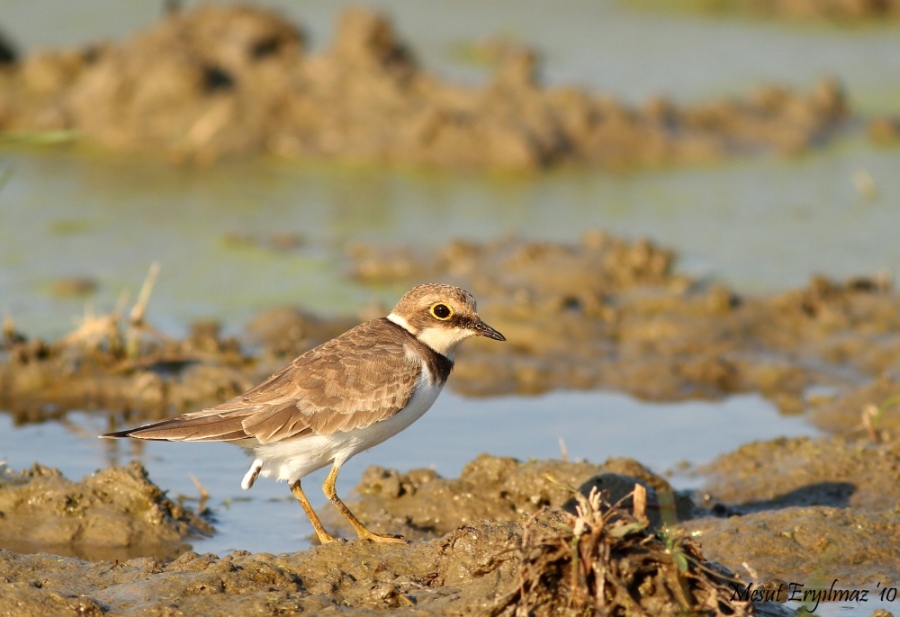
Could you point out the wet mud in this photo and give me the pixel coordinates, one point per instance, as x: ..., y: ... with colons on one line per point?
x: 602, y: 312
x: 218, y: 81
x: 884, y: 130
x: 113, y: 513
x: 420, y: 504
x: 575, y: 560
x: 507, y: 535
x: 792, y: 509
x: 814, y: 508
x: 607, y: 312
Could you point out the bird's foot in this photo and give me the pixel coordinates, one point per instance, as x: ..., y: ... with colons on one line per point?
x: 325, y: 537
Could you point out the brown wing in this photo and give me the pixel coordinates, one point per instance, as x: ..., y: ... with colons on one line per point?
x: 359, y: 378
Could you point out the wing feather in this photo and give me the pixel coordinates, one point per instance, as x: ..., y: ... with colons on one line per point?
x: 373, y: 361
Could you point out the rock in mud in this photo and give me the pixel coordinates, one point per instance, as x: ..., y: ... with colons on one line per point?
x: 221, y: 81
x: 111, y: 512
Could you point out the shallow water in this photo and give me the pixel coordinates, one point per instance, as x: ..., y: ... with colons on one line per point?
x: 592, y: 425
x: 759, y: 224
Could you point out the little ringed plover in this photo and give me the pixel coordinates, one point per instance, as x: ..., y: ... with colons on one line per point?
x: 341, y: 398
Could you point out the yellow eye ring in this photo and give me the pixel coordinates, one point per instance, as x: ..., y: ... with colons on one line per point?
x: 441, y: 311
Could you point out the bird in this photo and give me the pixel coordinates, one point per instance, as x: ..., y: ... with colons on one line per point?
x: 338, y: 399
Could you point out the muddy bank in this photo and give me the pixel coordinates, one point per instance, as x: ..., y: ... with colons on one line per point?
x: 589, y: 557
x: 507, y: 535
x: 113, y: 513
x: 122, y: 365
x: 854, y: 11
x: 797, y: 510
x: 225, y: 81
x: 872, y: 410
x: 884, y: 130
x: 603, y: 312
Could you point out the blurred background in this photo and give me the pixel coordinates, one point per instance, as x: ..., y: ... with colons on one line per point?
x: 80, y: 222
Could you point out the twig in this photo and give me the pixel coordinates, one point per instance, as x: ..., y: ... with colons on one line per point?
x: 870, y: 414
x: 140, y: 307
x: 640, y: 503
x: 203, y: 492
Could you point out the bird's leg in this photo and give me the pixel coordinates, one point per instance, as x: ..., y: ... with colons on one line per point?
x: 331, y: 493
x: 324, y: 536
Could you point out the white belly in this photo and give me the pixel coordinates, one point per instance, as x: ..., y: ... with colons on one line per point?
x: 293, y: 459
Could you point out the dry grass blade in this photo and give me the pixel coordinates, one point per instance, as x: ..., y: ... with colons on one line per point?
x: 204, y: 494
x: 137, y: 326
x: 140, y: 307
x: 870, y: 413
x: 871, y: 418
x: 10, y: 335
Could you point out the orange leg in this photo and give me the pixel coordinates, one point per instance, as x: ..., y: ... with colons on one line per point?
x: 324, y: 536
x: 331, y: 493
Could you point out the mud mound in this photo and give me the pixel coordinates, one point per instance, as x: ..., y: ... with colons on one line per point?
x: 805, y: 545
x: 421, y: 504
x: 803, y: 509
x: 112, y: 510
x: 123, y: 364
x: 787, y: 511
x: 836, y: 10
x: 884, y: 130
x: 791, y: 509
x: 223, y: 81
x: 117, y: 363
x: 873, y: 410
x: 547, y: 272
x: 807, y: 472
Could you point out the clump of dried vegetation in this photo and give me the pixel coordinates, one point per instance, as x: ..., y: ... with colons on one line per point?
x: 605, y: 560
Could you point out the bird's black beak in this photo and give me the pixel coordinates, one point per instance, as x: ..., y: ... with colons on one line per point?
x: 482, y: 329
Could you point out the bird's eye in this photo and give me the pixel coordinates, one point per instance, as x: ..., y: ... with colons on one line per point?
x: 441, y: 311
